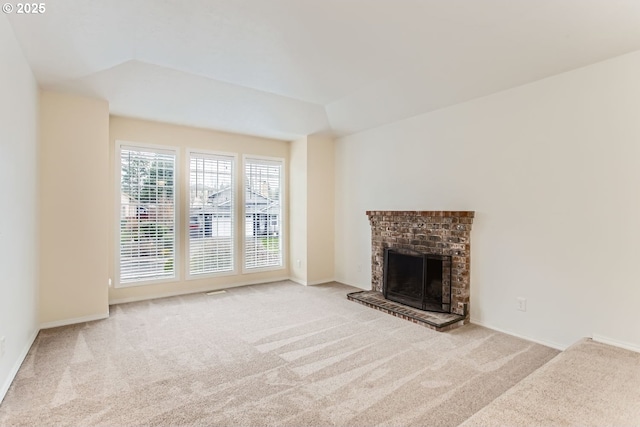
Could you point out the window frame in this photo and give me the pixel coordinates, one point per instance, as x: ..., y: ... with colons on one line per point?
x: 187, y: 203
x: 283, y: 219
x: 177, y: 261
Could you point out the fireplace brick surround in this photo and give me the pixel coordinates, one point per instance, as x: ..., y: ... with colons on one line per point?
x: 427, y: 232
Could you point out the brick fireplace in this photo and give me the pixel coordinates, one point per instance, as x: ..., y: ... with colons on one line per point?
x: 427, y: 232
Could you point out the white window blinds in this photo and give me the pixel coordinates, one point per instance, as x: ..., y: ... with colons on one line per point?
x: 263, y: 213
x: 147, y: 214
x: 211, y: 214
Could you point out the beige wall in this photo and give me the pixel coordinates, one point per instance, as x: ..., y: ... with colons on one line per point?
x: 74, y: 208
x: 312, y: 210
x: 79, y: 140
x: 298, y: 210
x: 183, y: 138
x: 320, y: 209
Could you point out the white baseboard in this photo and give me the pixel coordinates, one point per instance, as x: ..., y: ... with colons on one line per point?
x: 14, y: 371
x: 195, y: 291
x: 355, y: 285
x: 504, y: 331
x: 314, y: 283
x: 320, y: 282
x: 66, y: 322
x: 616, y: 343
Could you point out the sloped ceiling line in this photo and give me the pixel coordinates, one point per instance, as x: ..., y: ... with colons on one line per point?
x: 289, y: 68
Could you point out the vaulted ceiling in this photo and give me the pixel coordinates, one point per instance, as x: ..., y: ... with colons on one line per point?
x: 286, y: 68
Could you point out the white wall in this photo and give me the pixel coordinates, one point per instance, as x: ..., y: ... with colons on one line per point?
x: 18, y: 216
x: 551, y: 169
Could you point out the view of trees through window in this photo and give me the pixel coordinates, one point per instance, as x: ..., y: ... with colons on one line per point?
x: 147, y: 214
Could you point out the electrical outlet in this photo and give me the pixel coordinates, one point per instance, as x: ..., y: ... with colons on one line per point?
x: 298, y: 263
x: 2, y: 342
x: 522, y: 303
x: 110, y: 282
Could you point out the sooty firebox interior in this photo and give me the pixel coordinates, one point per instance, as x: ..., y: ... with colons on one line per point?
x: 422, y: 281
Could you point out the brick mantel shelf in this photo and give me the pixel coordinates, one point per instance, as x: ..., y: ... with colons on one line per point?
x: 428, y: 232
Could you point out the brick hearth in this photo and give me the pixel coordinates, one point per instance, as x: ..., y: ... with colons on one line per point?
x: 427, y: 232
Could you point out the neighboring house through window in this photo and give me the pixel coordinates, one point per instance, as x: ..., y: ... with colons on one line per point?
x: 211, y: 213
x: 263, y: 213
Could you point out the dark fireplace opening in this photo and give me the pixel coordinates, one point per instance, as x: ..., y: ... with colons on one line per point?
x: 422, y: 281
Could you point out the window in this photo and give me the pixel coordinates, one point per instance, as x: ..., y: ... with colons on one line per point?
x: 211, y: 214
x: 147, y: 214
x: 263, y: 213
x: 148, y: 242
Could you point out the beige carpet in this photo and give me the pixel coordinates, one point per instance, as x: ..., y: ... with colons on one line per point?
x: 589, y: 384
x: 278, y: 354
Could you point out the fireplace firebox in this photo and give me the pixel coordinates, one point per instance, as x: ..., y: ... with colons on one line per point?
x: 422, y: 281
